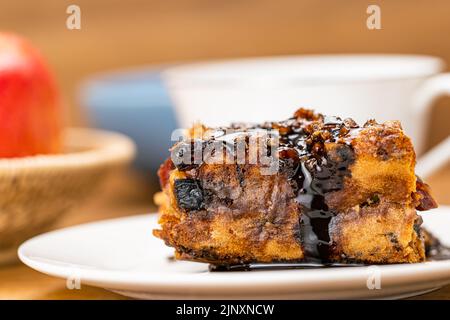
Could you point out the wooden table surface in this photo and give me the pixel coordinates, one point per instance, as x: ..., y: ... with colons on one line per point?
x: 127, y: 194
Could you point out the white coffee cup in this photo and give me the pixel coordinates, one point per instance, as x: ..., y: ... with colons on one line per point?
x: 381, y: 87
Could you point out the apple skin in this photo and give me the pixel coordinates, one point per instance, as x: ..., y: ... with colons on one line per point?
x: 30, y: 105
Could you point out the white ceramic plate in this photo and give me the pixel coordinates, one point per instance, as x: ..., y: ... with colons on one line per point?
x: 121, y: 255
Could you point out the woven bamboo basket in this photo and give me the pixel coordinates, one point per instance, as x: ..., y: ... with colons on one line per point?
x: 35, y: 192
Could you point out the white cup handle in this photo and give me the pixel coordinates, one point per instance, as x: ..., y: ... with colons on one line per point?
x: 439, y: 155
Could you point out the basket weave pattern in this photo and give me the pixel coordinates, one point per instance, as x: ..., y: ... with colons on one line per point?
x: 35, y: 192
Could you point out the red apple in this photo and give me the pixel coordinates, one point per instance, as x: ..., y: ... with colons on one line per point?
x: 30, y: 107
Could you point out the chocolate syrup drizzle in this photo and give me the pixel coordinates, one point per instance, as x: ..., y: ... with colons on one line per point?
x: 303, y: 157
x: 313, y: 171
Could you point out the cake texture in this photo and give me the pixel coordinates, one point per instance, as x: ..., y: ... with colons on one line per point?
x: 332, y: 192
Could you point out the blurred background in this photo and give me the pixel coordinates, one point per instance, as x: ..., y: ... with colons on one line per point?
x: 126, y: 34
x: 117, y: 35
x: 120, y: 34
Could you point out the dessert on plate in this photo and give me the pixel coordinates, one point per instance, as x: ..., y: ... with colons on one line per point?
x: 312, y: 188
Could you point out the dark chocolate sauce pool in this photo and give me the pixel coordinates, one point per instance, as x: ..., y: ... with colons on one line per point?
x: 277, y: 266
x: 436, y: 251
